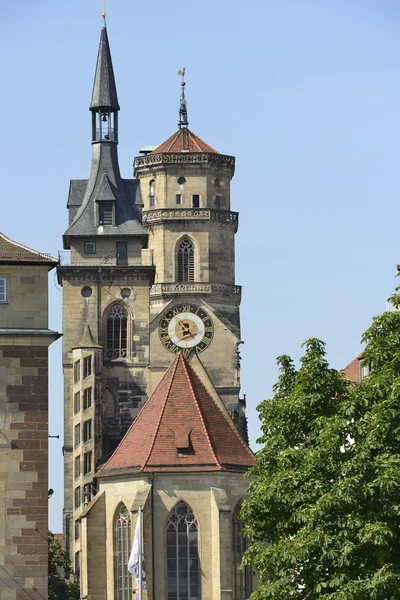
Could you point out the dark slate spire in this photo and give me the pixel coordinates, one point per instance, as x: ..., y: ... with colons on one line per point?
x: 105, y: 190
x: 104, y: 93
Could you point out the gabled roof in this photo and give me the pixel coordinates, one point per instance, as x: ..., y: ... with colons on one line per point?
x: 180, y: 428
x: 183, y: 140
x: 104, y: 93
x: 12, y: 252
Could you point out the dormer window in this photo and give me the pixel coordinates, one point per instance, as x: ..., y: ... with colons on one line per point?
x: 106, y: 213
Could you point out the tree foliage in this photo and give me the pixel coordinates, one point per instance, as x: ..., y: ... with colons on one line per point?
x: 323, y: 515
x: 60, y: 588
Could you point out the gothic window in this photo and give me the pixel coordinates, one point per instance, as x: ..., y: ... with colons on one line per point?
x: 241, y: 579
x: 183, y: 569
x: 123, y: 549
x: 185, y: 260
x: 116, y: 332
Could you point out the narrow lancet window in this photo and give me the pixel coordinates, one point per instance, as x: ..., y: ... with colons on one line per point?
x: 183, y: 571
x: 185, y: 260
x: 116, y: 332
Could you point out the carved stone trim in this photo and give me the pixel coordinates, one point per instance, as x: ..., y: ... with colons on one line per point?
x: 221, y: 160
x: 196, y: 214
x: 103, y: 273
x: 168, y: 289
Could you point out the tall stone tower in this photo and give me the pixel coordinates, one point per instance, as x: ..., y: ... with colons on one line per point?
x: 194, y: 302
x: 106, y: 273
x: 148, y: 272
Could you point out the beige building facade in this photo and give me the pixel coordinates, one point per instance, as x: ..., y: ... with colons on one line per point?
x: 24, y: 341
x: 148, y: 277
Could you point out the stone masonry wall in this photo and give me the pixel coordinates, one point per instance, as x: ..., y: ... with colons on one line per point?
x: 23, y: 471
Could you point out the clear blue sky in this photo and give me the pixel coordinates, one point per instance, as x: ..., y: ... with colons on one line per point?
x: 305, y: 94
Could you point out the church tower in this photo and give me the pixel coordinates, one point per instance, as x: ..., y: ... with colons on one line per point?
x: 151, y: 337
x: 106, y: 272
x: 194, y: 302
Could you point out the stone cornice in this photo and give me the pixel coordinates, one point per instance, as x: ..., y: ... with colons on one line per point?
x: 190, y: 214
x: 217, y: 289
x: 97, y: 273
x: 185, y: 158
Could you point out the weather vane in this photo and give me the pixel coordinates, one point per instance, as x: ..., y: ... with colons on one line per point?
x: 181, y: 72
x: 183, y: 117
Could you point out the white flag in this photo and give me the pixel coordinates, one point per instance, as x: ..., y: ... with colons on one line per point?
x: 136, y: 561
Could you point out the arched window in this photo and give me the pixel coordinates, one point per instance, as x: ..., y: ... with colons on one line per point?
x: 152, y: 193
x: 183, y: 570
x: 185, y: 260
x: 241, y: 579
x: 116, y: 332
x: 123, y: 549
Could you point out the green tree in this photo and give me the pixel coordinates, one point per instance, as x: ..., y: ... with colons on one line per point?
x: 323, y: 515
x: 60, y: 588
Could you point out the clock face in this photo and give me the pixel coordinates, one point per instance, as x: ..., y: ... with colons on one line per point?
x: 186, y: 327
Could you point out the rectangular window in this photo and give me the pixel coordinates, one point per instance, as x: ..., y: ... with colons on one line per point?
x: 218, y: 200
x: 87, y: 366
x: 87, y: 398
x: 87, y: 493
x: 178, y: 198
x: 77, y: 371
x: 77, y: 435
x: 77, y: 564
x: 90, y: 247
x: 77, y: 466
x: 122, y: 253
x: 152, y: 200
x: 106, y: 213
x: 3, y: 289
x: 196, y: 201
x: 77, y: 532
x: 77, y: 402
x: 87, y: 463
x: 77, y: 497
x: 87, y: 430
x: 364, y: 371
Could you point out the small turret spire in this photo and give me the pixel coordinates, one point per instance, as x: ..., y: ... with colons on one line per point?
x: 183, y: 116
x: 104, y: 104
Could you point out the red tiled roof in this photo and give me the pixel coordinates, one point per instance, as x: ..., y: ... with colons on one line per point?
x: 178, y: 143
x: 180, y: 428
x: 352, y: 371
x: 60, y: 538
x: 12, y: 252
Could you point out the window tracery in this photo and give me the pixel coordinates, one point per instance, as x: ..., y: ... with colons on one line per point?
x: 116, y: 332
x: 123, y: 549
x: 183, y: 569
x: 185, y: 260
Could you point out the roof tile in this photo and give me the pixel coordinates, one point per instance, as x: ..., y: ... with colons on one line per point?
x: 180, y: 409
x: 12, y: 252
x: 183, y: 140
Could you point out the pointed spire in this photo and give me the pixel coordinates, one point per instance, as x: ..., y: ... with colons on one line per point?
x: 183, y: 116
x: 104, y: 90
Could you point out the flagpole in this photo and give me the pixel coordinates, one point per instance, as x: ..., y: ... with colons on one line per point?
x: 140, y: 553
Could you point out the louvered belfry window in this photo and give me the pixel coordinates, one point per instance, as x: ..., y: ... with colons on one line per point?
x: 106, y: 213
x: 186, y: 260
x: 117, y: 334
